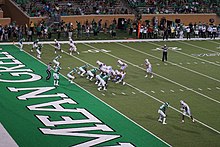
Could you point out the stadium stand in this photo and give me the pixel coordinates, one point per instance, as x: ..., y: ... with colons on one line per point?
x: 175, y: 6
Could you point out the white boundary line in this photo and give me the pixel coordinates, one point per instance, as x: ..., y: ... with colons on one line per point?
x: 190, y: 89
x: 143, y: 92
x: 170, y: 62
x: 107, y: 41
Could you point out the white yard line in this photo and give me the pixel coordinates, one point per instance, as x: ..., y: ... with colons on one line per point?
x: 99, y: 98
x: 170, y: 62
x: 180, y: 52
x: 197, y: 46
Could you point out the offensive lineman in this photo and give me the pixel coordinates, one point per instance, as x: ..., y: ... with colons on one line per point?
x: 71, y: 76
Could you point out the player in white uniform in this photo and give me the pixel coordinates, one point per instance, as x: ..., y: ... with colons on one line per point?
x: 57, y: 46
x: 21, y: 44
x: 39, y: 52
x: 72, y: 47
x: 148, y: 68
x: 100, y: 64
x: 55, y: 60
x: 186, y: 110
x: 120, y: 77
x: 162, y: 114
x: 35, y: 45
x: 123, y: 65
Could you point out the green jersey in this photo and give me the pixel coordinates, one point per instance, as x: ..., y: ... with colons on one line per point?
x: 105, y: 77
x: 94, y: 70
x: 84, y: 66
x: 74, y: 70
x: 163, y: 107
x: 57, y: 69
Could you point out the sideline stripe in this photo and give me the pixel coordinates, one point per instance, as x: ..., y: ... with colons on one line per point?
x: 190, y: 89
x: 109, y: 41
x: 5, y: 139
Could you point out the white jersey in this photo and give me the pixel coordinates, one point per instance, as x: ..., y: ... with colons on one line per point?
x: 149, y: 67
x: 57, y: 45
x: 185, y: 108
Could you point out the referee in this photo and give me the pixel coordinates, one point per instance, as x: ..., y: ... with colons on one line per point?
x: 165, y: 49
x: 48, y: 71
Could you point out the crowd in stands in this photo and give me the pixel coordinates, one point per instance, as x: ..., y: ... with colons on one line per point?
x: 175, y: 6
x: 41, y: 8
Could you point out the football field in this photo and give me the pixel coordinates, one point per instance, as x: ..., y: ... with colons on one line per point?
x: 35, y: 113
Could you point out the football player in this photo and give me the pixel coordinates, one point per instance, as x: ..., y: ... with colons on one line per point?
x: 92, y: 73
x: 71, y: 76
x: 122, y: 65
x: 72, y: 47
x: 57, y: 46
x: 186, y: 110
x: 148, y: 68
x: 83, y: 69
x: 21, y: 43
x: 162, y: 114
x: 35, y: 45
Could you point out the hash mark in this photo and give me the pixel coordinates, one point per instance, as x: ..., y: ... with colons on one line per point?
x: 172, y: 90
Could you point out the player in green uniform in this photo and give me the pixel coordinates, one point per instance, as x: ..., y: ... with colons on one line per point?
x: 38, y: 49
x: 56, y: 75
x: 21, y: 43
x: 71, y: 76
x: 83, y: 69
x: 103, y: 82
x: 91, y: 73
x: 161, y: 111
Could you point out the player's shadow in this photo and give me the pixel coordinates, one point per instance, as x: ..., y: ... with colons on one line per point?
x: 181, y: 128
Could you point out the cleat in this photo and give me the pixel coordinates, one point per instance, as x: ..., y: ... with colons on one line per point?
x: 123, y: 83
x: 151, y: 76
x: 164, y: 123
x: 146, y: 76
x: 159, y: 120
x: 182, y: 121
